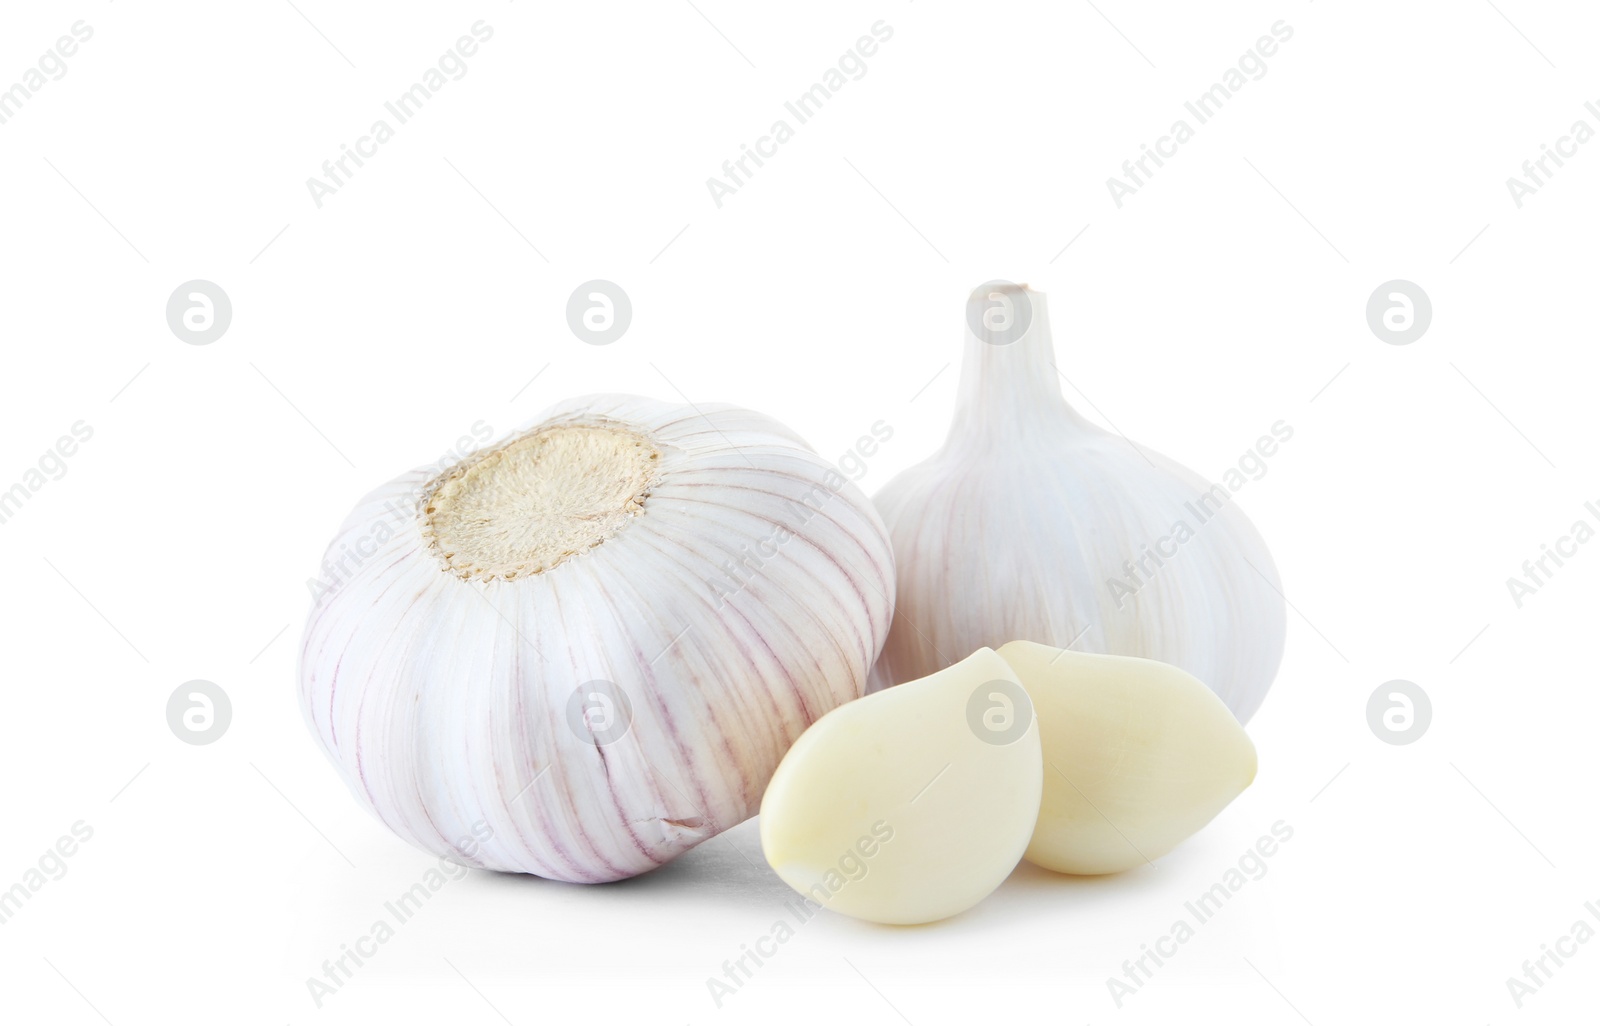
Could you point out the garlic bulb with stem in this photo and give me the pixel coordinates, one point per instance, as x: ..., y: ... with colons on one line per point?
x: 597, y: 637
x: 1033, y: 524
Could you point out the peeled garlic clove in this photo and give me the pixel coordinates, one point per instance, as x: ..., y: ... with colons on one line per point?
x: 1033, y: 523
x: 598, y: 637
x: 1138, y: 755
x: 911, y: 804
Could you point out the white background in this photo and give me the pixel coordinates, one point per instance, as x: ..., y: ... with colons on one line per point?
x: 369, y: 334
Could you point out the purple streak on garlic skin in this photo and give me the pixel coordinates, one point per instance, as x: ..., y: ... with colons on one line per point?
x: 437, y: 674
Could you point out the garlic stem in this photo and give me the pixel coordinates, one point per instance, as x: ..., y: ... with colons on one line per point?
x: 1008, y: 388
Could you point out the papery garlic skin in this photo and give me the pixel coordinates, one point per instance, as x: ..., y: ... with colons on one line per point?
x: 701, y: 567
x: 1020, y: 524
x: 913, y: 804
x: 1138, y: 756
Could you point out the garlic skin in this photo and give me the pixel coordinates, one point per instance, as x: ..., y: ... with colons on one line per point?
x: 1020, y: 524
x: 598, y: 636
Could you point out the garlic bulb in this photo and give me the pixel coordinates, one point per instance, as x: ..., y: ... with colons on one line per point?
x: 598, y: 637
x: 1031, y: 523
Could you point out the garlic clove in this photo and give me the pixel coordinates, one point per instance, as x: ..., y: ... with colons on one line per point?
x: 912, y: 804
x: 1031, y: 522
x: 1138, y: 755
x: 594, y: 640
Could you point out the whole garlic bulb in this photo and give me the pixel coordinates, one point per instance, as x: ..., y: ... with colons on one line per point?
x: 1033, y: 524
x: 596, y: 638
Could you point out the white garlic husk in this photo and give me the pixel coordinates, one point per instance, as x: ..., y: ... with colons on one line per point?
x: 1027, y: 523
x: 594, y: 641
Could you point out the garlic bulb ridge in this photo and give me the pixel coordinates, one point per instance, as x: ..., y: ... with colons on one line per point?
x: 1033, y: 524
x: 598, y: 636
